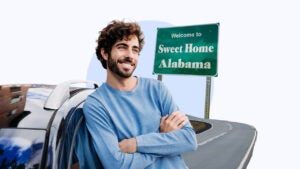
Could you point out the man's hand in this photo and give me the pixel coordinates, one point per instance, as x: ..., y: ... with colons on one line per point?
x: 174, y: 121
x: 128, y: 145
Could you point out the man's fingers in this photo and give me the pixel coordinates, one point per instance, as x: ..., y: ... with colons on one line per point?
x: 165, y: 117
x: 173, y: 121
x: 174, y: 114
x: 177, y: 118
x: 183, y: 122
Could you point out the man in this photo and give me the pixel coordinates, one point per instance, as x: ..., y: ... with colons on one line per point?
x: 134, y: 121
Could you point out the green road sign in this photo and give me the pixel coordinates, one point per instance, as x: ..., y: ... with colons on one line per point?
x: 187, y: 50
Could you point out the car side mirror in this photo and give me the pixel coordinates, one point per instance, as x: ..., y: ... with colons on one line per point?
x: 62, y: 92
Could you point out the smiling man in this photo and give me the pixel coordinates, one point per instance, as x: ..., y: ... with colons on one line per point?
x: 134, y: 121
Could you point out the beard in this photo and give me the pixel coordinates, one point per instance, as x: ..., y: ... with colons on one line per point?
x: 113, y: 66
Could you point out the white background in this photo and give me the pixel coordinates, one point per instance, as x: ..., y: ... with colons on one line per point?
x: 258, y: 82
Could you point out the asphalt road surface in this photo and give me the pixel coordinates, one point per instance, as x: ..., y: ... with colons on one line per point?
x: 225, y: 145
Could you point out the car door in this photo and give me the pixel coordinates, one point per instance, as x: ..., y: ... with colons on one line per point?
x: 76, y: 148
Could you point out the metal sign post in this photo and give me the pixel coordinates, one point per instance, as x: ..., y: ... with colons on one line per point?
x: 159, y: 77
x: 207, y: 97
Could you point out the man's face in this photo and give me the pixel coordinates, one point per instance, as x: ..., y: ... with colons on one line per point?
x: 123, y: 58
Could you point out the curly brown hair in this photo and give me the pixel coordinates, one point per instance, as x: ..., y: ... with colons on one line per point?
x: 114, y: 31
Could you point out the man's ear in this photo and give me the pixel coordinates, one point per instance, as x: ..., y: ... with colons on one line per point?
x: 104, y: 54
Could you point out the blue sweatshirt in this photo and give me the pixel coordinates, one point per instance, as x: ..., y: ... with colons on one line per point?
x: 113, y: 115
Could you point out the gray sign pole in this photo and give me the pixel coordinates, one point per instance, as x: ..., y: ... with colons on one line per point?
x: 159, y: 77
x: 207, y: 97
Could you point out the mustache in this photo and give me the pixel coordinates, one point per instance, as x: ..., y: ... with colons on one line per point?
x: 126, y: 60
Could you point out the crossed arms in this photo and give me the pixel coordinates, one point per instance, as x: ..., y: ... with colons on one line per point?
x: 168, y: 123
x: 175, y: 137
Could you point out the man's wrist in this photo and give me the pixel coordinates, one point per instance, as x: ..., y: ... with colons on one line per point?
x: 128, y: 145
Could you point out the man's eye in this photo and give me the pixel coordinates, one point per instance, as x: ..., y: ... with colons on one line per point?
x: 136, y: 50
x: 122, y: 47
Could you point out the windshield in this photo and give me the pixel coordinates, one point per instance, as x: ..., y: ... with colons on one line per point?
x: 21, y: 148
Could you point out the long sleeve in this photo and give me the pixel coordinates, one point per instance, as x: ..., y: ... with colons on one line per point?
x: 172, y: 143
x: 112, y: 115
x: 168, y: 144
x: 106, y: 142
